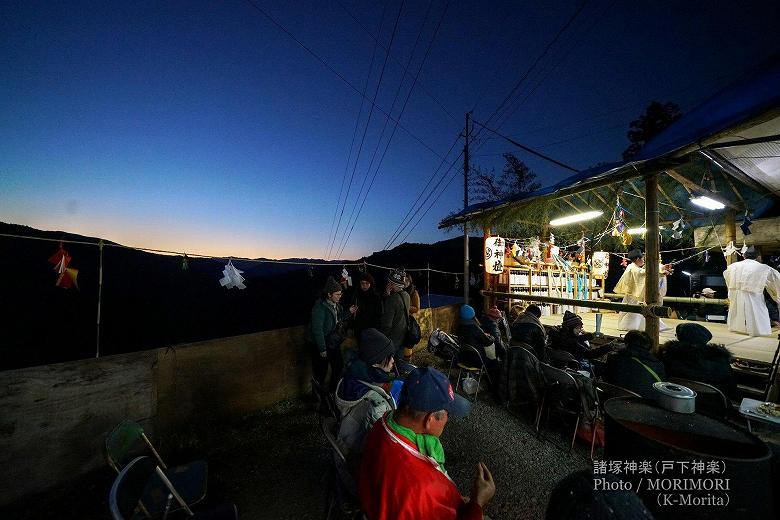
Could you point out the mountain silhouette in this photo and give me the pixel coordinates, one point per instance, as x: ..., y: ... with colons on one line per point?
x: 149, y: 301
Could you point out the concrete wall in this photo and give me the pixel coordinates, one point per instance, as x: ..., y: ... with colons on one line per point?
x: 54, y: 418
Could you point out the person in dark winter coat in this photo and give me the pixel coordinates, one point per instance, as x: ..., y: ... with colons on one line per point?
x: 470, y: 333
x: 368, y: 303
x: 529, y: 330
x: 570, y: 337
x: 635, y: 368
x: 324, y: 335
x: 690, y: 356
x: 395, y: 311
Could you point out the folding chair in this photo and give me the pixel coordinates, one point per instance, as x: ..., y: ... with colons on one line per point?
x: 468, y: 356
x: 562, y: 359
x: 605, y: 392
x: 127, y: 440
x: 522, y: 378
x: 126, y: 497
x: 709, y: 399
x: 325, y: 404
x: 562, y: 393
x: 342, y: 490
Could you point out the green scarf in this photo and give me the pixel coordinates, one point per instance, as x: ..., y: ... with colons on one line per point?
x: 428, y: 445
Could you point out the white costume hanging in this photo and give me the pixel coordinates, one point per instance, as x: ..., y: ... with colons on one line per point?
x: 632, y: 285
x: 746, y: 281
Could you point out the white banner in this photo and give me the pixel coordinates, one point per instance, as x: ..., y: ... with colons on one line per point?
x: 494, y: 255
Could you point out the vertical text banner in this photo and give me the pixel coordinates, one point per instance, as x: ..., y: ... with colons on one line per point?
x: 494, y: 255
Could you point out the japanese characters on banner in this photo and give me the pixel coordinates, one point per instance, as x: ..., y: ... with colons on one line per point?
x: 494, y: 255
x: 600, y: 263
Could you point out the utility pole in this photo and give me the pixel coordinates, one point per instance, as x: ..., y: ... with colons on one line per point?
x: 466, y: 273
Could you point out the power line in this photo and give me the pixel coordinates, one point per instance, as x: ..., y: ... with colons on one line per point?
x: 433, y: 190
x: 333, y: 234
x: 370, y: 113
x: 382, y: 134
x: 403, y: 109
x: 340, y: 76
x: 396, y: 60
x: 529, y: 150
x: 398, y: 229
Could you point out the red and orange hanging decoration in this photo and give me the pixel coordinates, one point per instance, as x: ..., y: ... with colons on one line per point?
x: 66, y: 276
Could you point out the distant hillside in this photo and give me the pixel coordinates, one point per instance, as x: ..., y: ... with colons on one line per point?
x: 148, y: 301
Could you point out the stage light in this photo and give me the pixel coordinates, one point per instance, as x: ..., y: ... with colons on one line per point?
x: 579, y: 217
x: 640, y: 230
x: 686, y: 273
x: 707, y: 202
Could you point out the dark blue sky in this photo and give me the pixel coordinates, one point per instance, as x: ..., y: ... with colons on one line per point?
x: 199, y: 126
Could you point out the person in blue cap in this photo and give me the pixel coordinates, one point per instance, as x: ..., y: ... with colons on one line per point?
x: 402, y: 473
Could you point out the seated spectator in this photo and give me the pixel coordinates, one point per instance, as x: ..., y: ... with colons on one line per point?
x: 635, y: 368
x: 529, y: 330
x: 470, y: 333
x: 569, y: 336
x: 402, y: 473
x: 493, y: 318
x: 690, y: 356
x: 577, y: 497
x: 364, y: 393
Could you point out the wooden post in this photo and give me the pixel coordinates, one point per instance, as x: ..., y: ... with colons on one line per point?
x: 488, y: 280
x: 652, y: 254
x: 730, y: 233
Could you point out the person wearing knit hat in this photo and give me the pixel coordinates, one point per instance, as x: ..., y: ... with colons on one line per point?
x: 493, y: 323
x: 366, y: 392
x: 571, y: 320
x: 395, y: 311
x: 470, y: 333
x: 569, y: 336
x: 324, y: 334
x: 690, y: 356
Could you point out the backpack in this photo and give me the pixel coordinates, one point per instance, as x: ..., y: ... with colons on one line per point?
x: 413, y: 334
x: 443, y: 345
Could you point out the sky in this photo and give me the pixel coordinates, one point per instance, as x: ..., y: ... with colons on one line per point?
x: 205, y: 127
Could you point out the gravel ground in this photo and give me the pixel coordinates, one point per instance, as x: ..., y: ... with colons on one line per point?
x: 273, y: 463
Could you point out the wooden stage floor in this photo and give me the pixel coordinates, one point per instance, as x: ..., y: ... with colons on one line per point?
x: 758, y: 348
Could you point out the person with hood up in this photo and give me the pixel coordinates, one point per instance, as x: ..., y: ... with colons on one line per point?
x: 529, y: 330
x: 690, y: 356
x: 368, y: 304
x: 635, y: 368
x: 366, y: 392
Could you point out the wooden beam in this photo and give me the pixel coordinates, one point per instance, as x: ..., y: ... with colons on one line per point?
x: 692, y: 186
x: 733, y: 188
x: 598, y: 196
x: 636, y: 190
x: 587, y: 204
x: 652, y: 255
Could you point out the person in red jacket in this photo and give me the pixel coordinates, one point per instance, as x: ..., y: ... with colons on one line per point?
x: 402, y: 475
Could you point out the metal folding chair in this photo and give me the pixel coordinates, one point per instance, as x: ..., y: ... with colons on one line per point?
x: 342, y: 499
x: 127, y: 440
x: 604, y: 392
x: 465, y: 366
x: 561, y: 393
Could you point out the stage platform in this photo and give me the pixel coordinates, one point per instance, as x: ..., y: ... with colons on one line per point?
x: 757, y: 348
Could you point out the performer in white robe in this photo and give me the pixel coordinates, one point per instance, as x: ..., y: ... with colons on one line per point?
x: 746, y: 281
x: 632, y: 285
